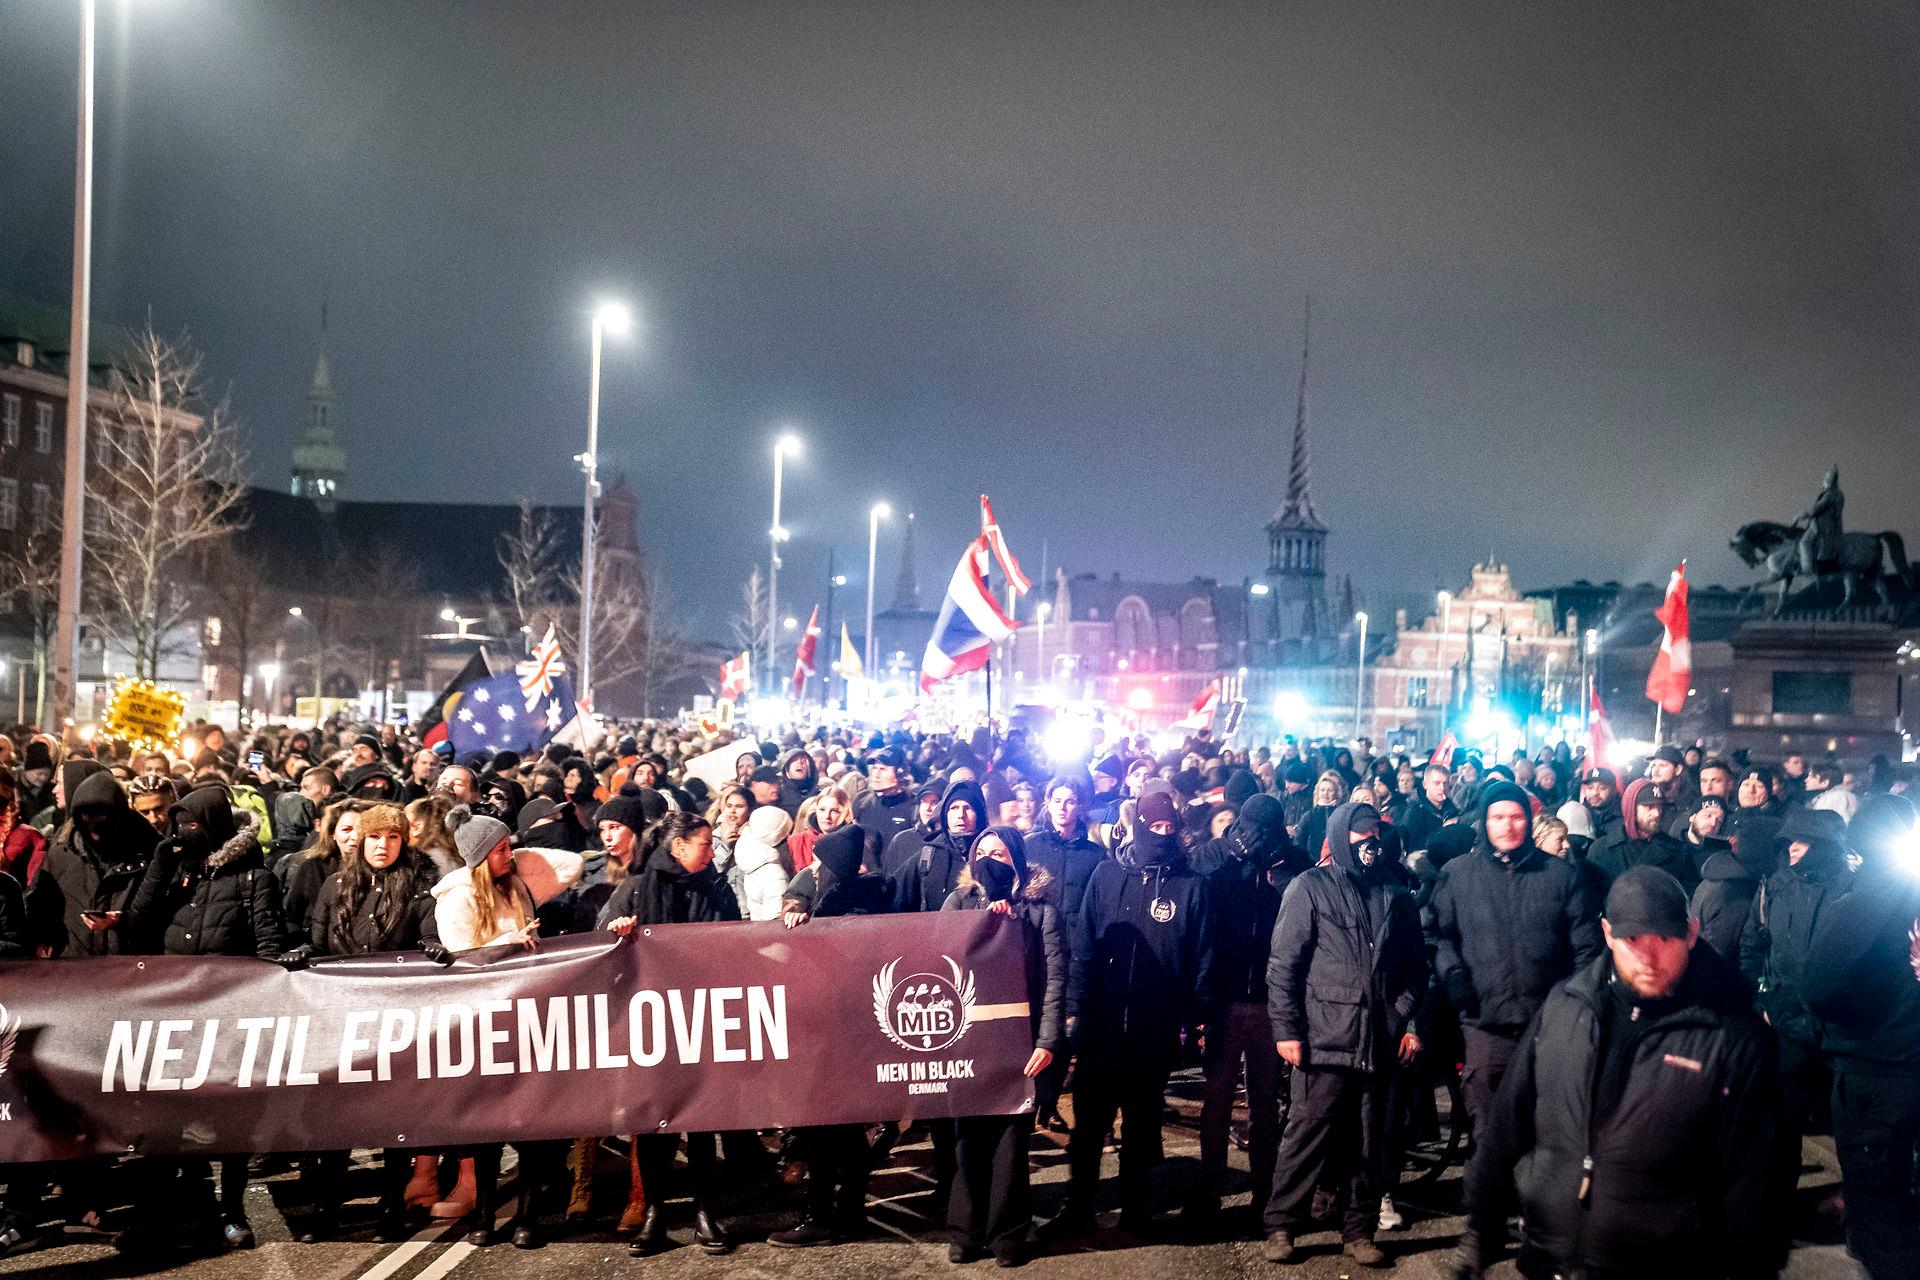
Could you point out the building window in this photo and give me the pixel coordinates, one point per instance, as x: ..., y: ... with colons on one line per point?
x: 1132, y: 626
x: 43, y: 429
x: 42, y: 508
x: 10, y: 418
x: 1416, y: 691
x: 9, y: 503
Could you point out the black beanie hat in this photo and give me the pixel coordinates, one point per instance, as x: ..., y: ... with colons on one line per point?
x: 628, y: 811
x: 840, y: 851
x: 1240, y: 788
x: 368, y: 741
x: 38, y: 756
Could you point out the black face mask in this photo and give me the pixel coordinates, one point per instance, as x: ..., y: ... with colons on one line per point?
x: 1150, y: 848
x: 995, y: 877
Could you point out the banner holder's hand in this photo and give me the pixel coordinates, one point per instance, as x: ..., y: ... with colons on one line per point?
x: 1040, y: 1061
x: 622, y: 927
x: 793, y: 918
x: 1289, y: 1051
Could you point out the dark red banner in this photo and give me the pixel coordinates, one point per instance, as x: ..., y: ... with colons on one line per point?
x: 681, y: 1028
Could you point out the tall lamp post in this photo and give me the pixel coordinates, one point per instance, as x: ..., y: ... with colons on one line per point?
x: 1359, y: 671
x: 608, y: 317
x: 878, y: 512
x: 784, y: 446
x: 74, y: 477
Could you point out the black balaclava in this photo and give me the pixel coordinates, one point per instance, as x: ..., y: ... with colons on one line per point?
x: 994, y: 876
x: 1259, y: 833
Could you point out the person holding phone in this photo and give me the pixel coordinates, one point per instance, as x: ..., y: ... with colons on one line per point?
x: 490, y: 901
x: 92, y: 868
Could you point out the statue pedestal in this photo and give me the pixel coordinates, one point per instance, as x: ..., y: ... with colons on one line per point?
x: 1817, y: 687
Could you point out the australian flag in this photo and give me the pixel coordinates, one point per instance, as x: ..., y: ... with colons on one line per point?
x: 493, y: 715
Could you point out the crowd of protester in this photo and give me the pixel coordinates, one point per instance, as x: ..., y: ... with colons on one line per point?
x: 1652, y: 986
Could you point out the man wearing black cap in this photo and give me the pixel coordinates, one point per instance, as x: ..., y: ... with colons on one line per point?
x: 1600, y: 793
x: 1507, y: 922
x: 1638, y: 1117
x: 886, y: 806
x: 1143, y: 961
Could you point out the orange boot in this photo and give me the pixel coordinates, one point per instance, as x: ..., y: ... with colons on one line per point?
x: 459, y: 1201
x: 636, y: 1210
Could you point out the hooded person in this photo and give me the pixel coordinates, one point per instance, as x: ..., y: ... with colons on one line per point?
x: 1862, y: 981
x: 506, y: 796
x: 924, y: 882
x: 1248, y: 870
x: 1506, y: 922
x: 1787, y: 910
x: 760, y: 857
x: 76, y: 905
x: 799, y: 779
x: 1143, y: 963
x: 66, y: 780
x: 371, y: 781
x: 1345, y: 974
x: 990, y: 1207
x: 1731, y: 877
x: 1642, y: 839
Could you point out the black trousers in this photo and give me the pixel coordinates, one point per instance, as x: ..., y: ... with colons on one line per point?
x: 323, y: 1177
x: 1050, y: 1084
x: 1486, y: 1055
x: 1334, y: 1137
x: 991, y: 1204
x: 656, y: 1162
x: 1133, y: 1086
x: 837, y: 1166
x: 1876, y: 1127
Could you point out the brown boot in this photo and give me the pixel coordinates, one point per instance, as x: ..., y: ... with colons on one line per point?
x: 580, y: 1162
x: 635, y: 1214
x: 459, y: 1201
x: 423, y: 1189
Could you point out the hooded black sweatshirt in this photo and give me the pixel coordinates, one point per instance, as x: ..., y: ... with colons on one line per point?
x: 923, y: 882
x: 1248, y: 870
x: 85, y: 874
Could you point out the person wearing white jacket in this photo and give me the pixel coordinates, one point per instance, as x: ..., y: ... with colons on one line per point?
x: 760, y: 855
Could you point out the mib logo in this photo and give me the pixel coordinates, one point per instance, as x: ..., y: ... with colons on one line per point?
x: 924, y: 1012
x: 9, y: 1034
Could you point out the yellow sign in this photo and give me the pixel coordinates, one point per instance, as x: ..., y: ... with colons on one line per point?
x: 144, y: 714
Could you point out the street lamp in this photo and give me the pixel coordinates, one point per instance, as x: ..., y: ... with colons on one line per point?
x: 269, y: 673
x: 74, y: 476
x: 293, y: 611
x: 1043, y: 611
x: 1359, y: 671
x: 875, y: 514
x: 613, y: 318
x: 787, y: 445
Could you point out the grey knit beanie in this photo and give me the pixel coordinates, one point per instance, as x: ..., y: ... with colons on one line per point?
x: 475, y: 834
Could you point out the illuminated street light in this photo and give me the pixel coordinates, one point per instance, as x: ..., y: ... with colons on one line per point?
x: 608, y: 317
x: 875, y: 514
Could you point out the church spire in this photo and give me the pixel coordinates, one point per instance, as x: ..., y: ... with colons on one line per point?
x: 906, y: 588
x: 319, y: 463
x: 1298, y: 511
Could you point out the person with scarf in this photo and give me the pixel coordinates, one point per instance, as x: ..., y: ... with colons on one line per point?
x: 1506, y: 922
x: 679, y: 885
x: 1248, y: 871
x: 1144, y: 960
x: 990, y: 1208
x: 1344, y: 976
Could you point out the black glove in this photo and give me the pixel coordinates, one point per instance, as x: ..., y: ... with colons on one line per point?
x: 293, y: 960
x: 191, y: 845
x: 435, y: 952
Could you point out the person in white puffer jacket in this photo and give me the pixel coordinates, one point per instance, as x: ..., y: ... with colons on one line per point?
x: 760, y: 854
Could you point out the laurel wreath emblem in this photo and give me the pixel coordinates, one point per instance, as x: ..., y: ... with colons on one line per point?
x: 9, y: 1034
x: 883, y: 984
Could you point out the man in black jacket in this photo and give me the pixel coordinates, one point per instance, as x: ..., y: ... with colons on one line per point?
x: 1345, y: 973
x: 1144, y: 960
x: 1508, y: 922
x: 1600, y: 793
x: 923, y: 881
x: 886, y: 806
x: 94, y: 865
x: 1060, y: 846
x: 1248, y: 871
x: 1430, y: 810
x: 1638, y: 1116
x: 1862, y: 979
x: 1642, y: 840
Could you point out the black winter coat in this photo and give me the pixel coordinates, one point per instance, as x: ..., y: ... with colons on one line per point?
x: 923, y: 881
x: 1503, y: 933
x: 1421, y: 820
x: 412, y: 925
x: 225, y: 905
x: 1778, y: 936
x: 1144, y: 963
x: 1862, y: 975
x: 1047, y: 957
x: 1614, y: 853
x: 1347, y: 967
x: 667, y: 893
x: 1248, y: 870
x: 301, y: 880
x: 15, y: 938
x: 1721, y: 903
x: 887, y: 816
x: 1070, y: 863
x: 1677, y: 1179
x: 80, y: 876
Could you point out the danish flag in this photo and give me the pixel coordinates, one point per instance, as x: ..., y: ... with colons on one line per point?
x: 1199, y: 716
x: 1672, y: 672
x: 735, y: 677
x: 803, y: 657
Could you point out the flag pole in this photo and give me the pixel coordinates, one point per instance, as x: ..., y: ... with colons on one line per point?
x: 1657, y: 709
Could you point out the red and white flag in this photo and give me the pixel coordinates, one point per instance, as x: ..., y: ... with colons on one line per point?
x: 1599, y: 735
x: 1672, y: 673
x: 990, y: 528
x: 1443, y: 754
x: 803, y: 657
x: 735, y: 677
x: 1200, y: 715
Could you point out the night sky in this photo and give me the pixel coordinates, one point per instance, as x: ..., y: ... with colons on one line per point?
x: 1592, y: 284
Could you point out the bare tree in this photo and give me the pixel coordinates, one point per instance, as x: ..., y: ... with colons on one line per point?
x: 659, y: 647
x: 235, y: 587
x: 30, y: 583
x: 750, y: 624
x: 164, y: 485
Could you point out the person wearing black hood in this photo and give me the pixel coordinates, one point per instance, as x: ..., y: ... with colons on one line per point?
x: 1731, y: 877
x: 372, y: 781
x: 1144, y: 960
x: 679, y: 885
x: 1506, y: 922
x: 1248, y: 871
x: 1862, y: 980
x: 1345, y: 973
x: 923, y: 882
x: 1061, y: 847
x: 990, y: 1206
x: 207, y: 892
x: 77, y: 905
x: 837, y: 1156
x: 1636, y: 1126
x: 798, y: 780
x: 66, y: 781
x: 504, y: 796
x: 1787, y: 909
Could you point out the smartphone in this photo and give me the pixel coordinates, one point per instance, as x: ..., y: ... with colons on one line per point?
x: 96, y: 917
x: 255, y: 759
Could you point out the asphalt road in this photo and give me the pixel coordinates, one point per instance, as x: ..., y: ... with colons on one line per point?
x: 904, y: 1243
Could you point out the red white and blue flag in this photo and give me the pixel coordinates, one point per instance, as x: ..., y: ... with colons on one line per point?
x: 970, y: 621
x: 538, y: 673
x: 990, y: 530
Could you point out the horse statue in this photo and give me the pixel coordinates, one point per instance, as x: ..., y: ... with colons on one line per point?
x: 1872, y: 560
